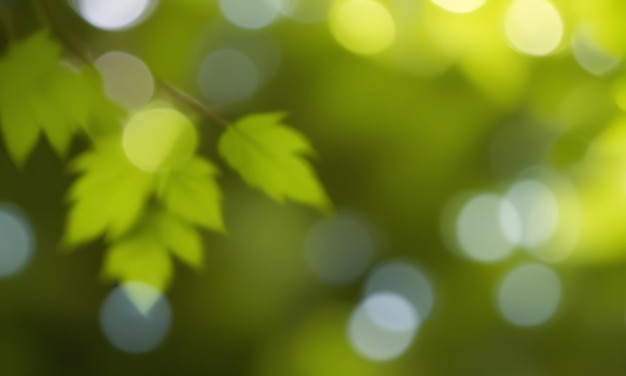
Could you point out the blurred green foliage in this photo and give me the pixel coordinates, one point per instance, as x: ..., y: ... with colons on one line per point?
x: 450, y: 106
x: 270, y: 156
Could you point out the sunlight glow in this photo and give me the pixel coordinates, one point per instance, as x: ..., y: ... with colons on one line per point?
x: 17, y: 240
x: 405, y: 280
x: 391, y: 311
x: 534, y: 27
x: 306, y: 11
x: 363, y: 26
x: 115, y: 14
x: 159, y: 138
x: 529, y: 295
x: 592, y: 57
x: 485, y: 226
x: 135, y: 317
x: 460, y: 6
x: 551, y: 217
x: 538, y: 210
x: 249, y: 14
x: 127, y: 80
x: 383, y: 327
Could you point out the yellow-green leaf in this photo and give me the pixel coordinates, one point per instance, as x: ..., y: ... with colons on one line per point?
x: 41, y: 94
x: 159, y: 139
x: 27, y: 63
x: 139, y: 257
x: 270, y: 156
x: 180, y: 238
x: 144, y: 253
x: 193, y: 194
x: 20, y: 130
x: 109, y: 197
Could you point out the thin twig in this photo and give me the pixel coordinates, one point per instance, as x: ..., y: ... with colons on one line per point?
x: 48, y: 16
x: 191, y: 102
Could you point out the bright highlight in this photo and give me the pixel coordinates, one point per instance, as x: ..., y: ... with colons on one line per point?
x: 307, y: 11
x: 533, y: 27
x: 159, y: 138
x: 249, y: 14
x: 405, y: 280
x: 538, y: 210
x: 17, y: 241
x: 363, y: 26
x: 592, y: 57
x: 383, y: 327
x: 114, y: 14
x: 127, y: 80
x: 460, y: 6
x: 135, y: 317
x: 529, y: 295
x: 485, y: 227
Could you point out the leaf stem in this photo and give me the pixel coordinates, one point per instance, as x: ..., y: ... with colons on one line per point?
x: 48, y: 17
x: 191, y: 102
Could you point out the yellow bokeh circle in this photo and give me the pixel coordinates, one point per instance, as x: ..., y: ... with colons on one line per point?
x: 156, y: 139
x: 362, y: 26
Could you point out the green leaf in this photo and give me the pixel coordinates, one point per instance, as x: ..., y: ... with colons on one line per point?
x: 87, y: 104
x: 20, y: 130
x: 109, y: 197
x: 270, y: 156
x: 40, y: 94
x: 55, y: 123
x: 27, y: 63
x: 144, y: 253
x: 180, y: 238
x: 139, y: 257
x: 193, y: 194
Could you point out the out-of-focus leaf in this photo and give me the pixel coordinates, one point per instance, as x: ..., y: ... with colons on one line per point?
x: 39, y: 93
x: 180, y: 238
x: 192, y: 194
x: 20, y: 130
x: 269, y: 156
x: 159, y: 139
x: 27, y: 63
x: 139, y: 257
x: 143, y: 254
x: 109, y: 197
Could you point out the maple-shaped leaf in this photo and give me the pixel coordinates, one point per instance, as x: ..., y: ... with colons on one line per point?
x: 139, y: 257
x: 40, y: 94
x: 271, y: 156
x: 109, y: 196
x: 192, y: 193
x: 144, y: 254
x: 181, y: 238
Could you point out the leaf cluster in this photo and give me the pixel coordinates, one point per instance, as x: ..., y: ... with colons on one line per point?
x: 145, y: 217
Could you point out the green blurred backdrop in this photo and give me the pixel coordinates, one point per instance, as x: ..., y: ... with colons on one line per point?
x: 417, y: 109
